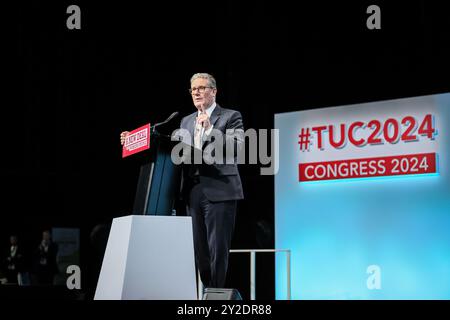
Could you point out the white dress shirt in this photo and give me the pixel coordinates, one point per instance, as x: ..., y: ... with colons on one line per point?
x: 204, y: 134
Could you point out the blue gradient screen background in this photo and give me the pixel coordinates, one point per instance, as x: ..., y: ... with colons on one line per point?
x: 336, y: 229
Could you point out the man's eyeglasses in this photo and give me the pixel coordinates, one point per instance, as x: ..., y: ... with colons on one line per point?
x: 199, y: 89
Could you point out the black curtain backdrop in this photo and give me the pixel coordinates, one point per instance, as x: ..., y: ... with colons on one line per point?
x: 69, y: 93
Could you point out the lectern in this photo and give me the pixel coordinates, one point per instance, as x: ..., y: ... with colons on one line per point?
x: 159, y: 179
x: 150, y: 254
x: 148, y: 258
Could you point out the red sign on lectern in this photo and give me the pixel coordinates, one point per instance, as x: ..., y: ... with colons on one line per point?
x: 136, y: 141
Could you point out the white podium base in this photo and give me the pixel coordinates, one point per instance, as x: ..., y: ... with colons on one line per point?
x: 148, y: 258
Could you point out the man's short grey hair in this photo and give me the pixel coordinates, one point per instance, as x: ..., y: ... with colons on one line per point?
x: 210, y: 78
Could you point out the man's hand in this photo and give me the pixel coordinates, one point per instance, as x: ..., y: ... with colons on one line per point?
x: 203, y: 119
x: 123, y: 136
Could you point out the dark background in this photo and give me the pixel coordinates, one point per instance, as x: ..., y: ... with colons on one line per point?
x: 69, y: 93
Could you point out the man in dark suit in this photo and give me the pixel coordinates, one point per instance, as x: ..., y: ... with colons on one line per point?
x: 45, y: 264
x: 211, y: 191
x: 15, y: 261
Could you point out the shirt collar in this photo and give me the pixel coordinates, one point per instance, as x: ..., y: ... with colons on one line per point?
x: 210, y: 110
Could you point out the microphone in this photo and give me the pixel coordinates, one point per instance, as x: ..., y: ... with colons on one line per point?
x: 173, y: 115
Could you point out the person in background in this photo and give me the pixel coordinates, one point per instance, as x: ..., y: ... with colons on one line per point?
x: 14, y: 262
x: 45, y: 265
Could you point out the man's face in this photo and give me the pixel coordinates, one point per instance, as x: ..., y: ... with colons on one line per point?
x: 202, y: 99
x: 13, y: 240
x: 46, y: 236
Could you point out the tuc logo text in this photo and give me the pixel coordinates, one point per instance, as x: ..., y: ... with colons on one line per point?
x: 364, y: 135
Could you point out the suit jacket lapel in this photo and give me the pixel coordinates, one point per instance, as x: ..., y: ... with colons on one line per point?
x: 215, y: 115
x: 191, y: 126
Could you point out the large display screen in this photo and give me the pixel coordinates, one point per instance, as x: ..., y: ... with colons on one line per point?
x: 362, y: 200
